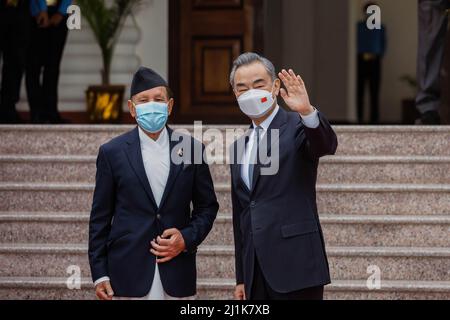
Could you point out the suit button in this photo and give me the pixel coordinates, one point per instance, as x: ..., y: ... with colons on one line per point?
x: 158, y: 216
x: 253, y: 204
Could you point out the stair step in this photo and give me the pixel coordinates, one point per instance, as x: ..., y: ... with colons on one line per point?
x: 346, y: 263
x: 350, y: 290
x: 68, y: 169
x: 85, y: 140
x: 57, y: 140
x: 364, y: 230
x: 351, y: 230
x: 384, y: 169
x: 358, y: 199
x: 339, y: 169
x: 339, y: 230
x: 208, y: 289
x: 390, y: 290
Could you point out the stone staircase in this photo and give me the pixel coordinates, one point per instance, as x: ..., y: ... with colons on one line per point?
x: 384, y: 200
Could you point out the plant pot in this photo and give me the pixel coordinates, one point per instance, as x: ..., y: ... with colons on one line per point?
x: 104, y: 103
x: 409, y: 112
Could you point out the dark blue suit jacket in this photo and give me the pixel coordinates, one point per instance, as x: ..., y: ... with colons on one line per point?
x: 277, y: 221
x: 125, y: 218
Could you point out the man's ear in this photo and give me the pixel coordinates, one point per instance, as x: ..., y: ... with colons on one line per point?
x: 277, y: 87
x: 132, y: 109
x: 170, y: 105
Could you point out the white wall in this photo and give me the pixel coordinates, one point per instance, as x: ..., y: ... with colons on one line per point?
x: 312, y: 38
x: 400, y: 19
x: 153, y: 47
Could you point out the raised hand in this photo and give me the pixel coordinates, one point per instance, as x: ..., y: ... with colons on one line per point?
x: 295, y: 94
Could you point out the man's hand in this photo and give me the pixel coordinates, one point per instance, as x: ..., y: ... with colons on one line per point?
x: 296, y: 96
x: 42, y: 19
x: 239, y: 292
x: 103, y: 291
x: 168, y: 246
x: 56, y: 19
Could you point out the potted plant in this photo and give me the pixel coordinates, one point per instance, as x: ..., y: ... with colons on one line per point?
x: 409, y: 110
x: 106, y: 19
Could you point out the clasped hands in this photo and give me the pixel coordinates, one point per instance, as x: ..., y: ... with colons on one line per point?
x: 168, y: 246
x: 44, y: 21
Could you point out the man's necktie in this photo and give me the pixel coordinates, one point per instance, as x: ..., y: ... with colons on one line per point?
x: 254, y: 155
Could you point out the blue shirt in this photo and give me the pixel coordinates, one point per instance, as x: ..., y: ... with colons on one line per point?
x: 37, y: 6
x: 371, y: 41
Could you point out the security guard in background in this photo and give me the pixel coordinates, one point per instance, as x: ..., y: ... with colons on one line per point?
x: 48, y: 38
x: 433, y: 28
x: 14, y: 39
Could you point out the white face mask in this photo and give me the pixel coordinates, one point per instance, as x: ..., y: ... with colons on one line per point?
x: 256, y: 103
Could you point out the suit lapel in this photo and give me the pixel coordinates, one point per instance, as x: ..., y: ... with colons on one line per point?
x: 134, y: 155
x: 240, y: 146
x: 278, y: 123
x: 175, y: 169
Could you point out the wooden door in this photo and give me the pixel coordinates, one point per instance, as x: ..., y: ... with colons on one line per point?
x: 205, y: 37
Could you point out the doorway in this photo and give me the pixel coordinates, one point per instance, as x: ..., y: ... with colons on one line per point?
x: 205, y: 36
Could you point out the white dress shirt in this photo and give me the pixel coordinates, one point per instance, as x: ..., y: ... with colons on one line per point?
x: 156, y: 158
x: 311, y: 121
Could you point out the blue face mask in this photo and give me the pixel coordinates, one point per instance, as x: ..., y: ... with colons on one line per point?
x: 152, y: 116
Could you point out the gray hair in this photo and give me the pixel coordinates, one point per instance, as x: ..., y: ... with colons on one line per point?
x: 248, y: 58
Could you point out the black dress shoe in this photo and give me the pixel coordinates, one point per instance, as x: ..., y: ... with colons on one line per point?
x: 430, y: 118
x: 37, y: 120
x: 13, y: 118
x: 57, y: 119
x: 61, y: 121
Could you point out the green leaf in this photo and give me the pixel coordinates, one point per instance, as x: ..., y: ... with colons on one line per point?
x: 106, y: 22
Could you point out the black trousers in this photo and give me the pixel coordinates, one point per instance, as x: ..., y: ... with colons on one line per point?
x: 14, y: 39
x: 433, y: 24
x: 369, y: 72
x: 262, y: 291
x: 44, y: 60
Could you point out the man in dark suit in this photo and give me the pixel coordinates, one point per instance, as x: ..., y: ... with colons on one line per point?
x: 14, y: 39
x: 433, y: 28
x: 48, y: 38
x: 371, y: 50
x: 280, y: 249
x: 143, y: 235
